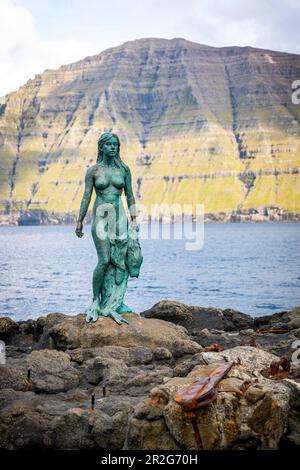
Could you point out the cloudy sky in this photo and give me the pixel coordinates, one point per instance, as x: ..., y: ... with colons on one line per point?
x: 40, y: 34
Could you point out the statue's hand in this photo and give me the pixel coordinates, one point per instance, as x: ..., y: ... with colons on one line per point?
x: 78, y: 230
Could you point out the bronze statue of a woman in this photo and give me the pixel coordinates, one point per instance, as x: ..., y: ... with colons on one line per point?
x: 116, y: 241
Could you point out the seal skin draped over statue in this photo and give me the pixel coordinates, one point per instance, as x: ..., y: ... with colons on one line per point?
x: 116, y: 240
x: 125, y: 260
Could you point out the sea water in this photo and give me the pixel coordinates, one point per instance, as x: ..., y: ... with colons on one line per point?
x: 253, y: 268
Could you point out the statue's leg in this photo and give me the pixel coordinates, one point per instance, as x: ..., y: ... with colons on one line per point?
x: 94, y: 310
x: 98, y: 277
x: 103, y: 251
x: 112, y: 295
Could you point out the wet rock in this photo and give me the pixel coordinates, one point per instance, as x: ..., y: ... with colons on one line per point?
x: 29, y: 334
x: 171, y: 311
x: 7, y: 328
x: 12, y: 333
x: 43, y: 324
x: 234, y: 320
x: 281, y: 320
x: 198, y: 318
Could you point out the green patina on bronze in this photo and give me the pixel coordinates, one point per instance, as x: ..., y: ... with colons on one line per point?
x: 116, y: 240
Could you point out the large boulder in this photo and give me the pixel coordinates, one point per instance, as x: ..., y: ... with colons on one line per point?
x: 281, y: 320
x: 25, y: 335
x: 51, y: 372
x: 8, y: 327
x: 197, y: 318
x: 74, y: 332
x: 110, y: 420
x: 13, y: 374
x: 254, y: 360
x: 71, y: 430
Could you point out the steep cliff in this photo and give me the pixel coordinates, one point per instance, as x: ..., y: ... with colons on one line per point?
x: 197, y: 124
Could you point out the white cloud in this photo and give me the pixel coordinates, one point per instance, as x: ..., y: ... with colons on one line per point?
x: 63, y: 32
x: 266, y: 24
x: 23, y: 54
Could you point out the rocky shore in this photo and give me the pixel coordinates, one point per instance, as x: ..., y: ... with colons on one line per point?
x: 71, y: 385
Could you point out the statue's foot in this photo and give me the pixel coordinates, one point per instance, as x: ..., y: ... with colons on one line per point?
x: 92, y: 313
x: 118, y: 318
x: 124, y: 309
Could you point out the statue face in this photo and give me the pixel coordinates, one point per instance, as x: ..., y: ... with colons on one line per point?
x: 110, y: 148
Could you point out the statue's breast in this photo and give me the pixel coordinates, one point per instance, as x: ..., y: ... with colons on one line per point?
x: 102, y: 182
x: 117, y: 180
x: 107, y: 178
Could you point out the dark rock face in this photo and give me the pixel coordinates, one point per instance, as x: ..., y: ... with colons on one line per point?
x: 281, y: 320
x: 7, y: 328
x: 68, y: 361
x: 230, y: 328
x: 199, y: 317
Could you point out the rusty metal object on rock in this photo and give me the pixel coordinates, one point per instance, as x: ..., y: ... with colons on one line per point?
x: 28, y: 382
x: 200, y: 394
x: 253, y: 343
x: 275, y: 331
x: 284, y: 363
x: 215, y: 347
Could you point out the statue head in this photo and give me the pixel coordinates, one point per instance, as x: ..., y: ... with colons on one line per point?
x: 103, y: 139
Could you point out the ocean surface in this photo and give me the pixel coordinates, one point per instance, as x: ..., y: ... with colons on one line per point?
x: 254, y: 268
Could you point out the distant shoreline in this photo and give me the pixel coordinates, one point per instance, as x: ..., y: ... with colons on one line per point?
x: 41, y: 217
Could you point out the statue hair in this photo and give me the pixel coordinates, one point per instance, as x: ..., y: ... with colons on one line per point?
x: 102, y: 140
